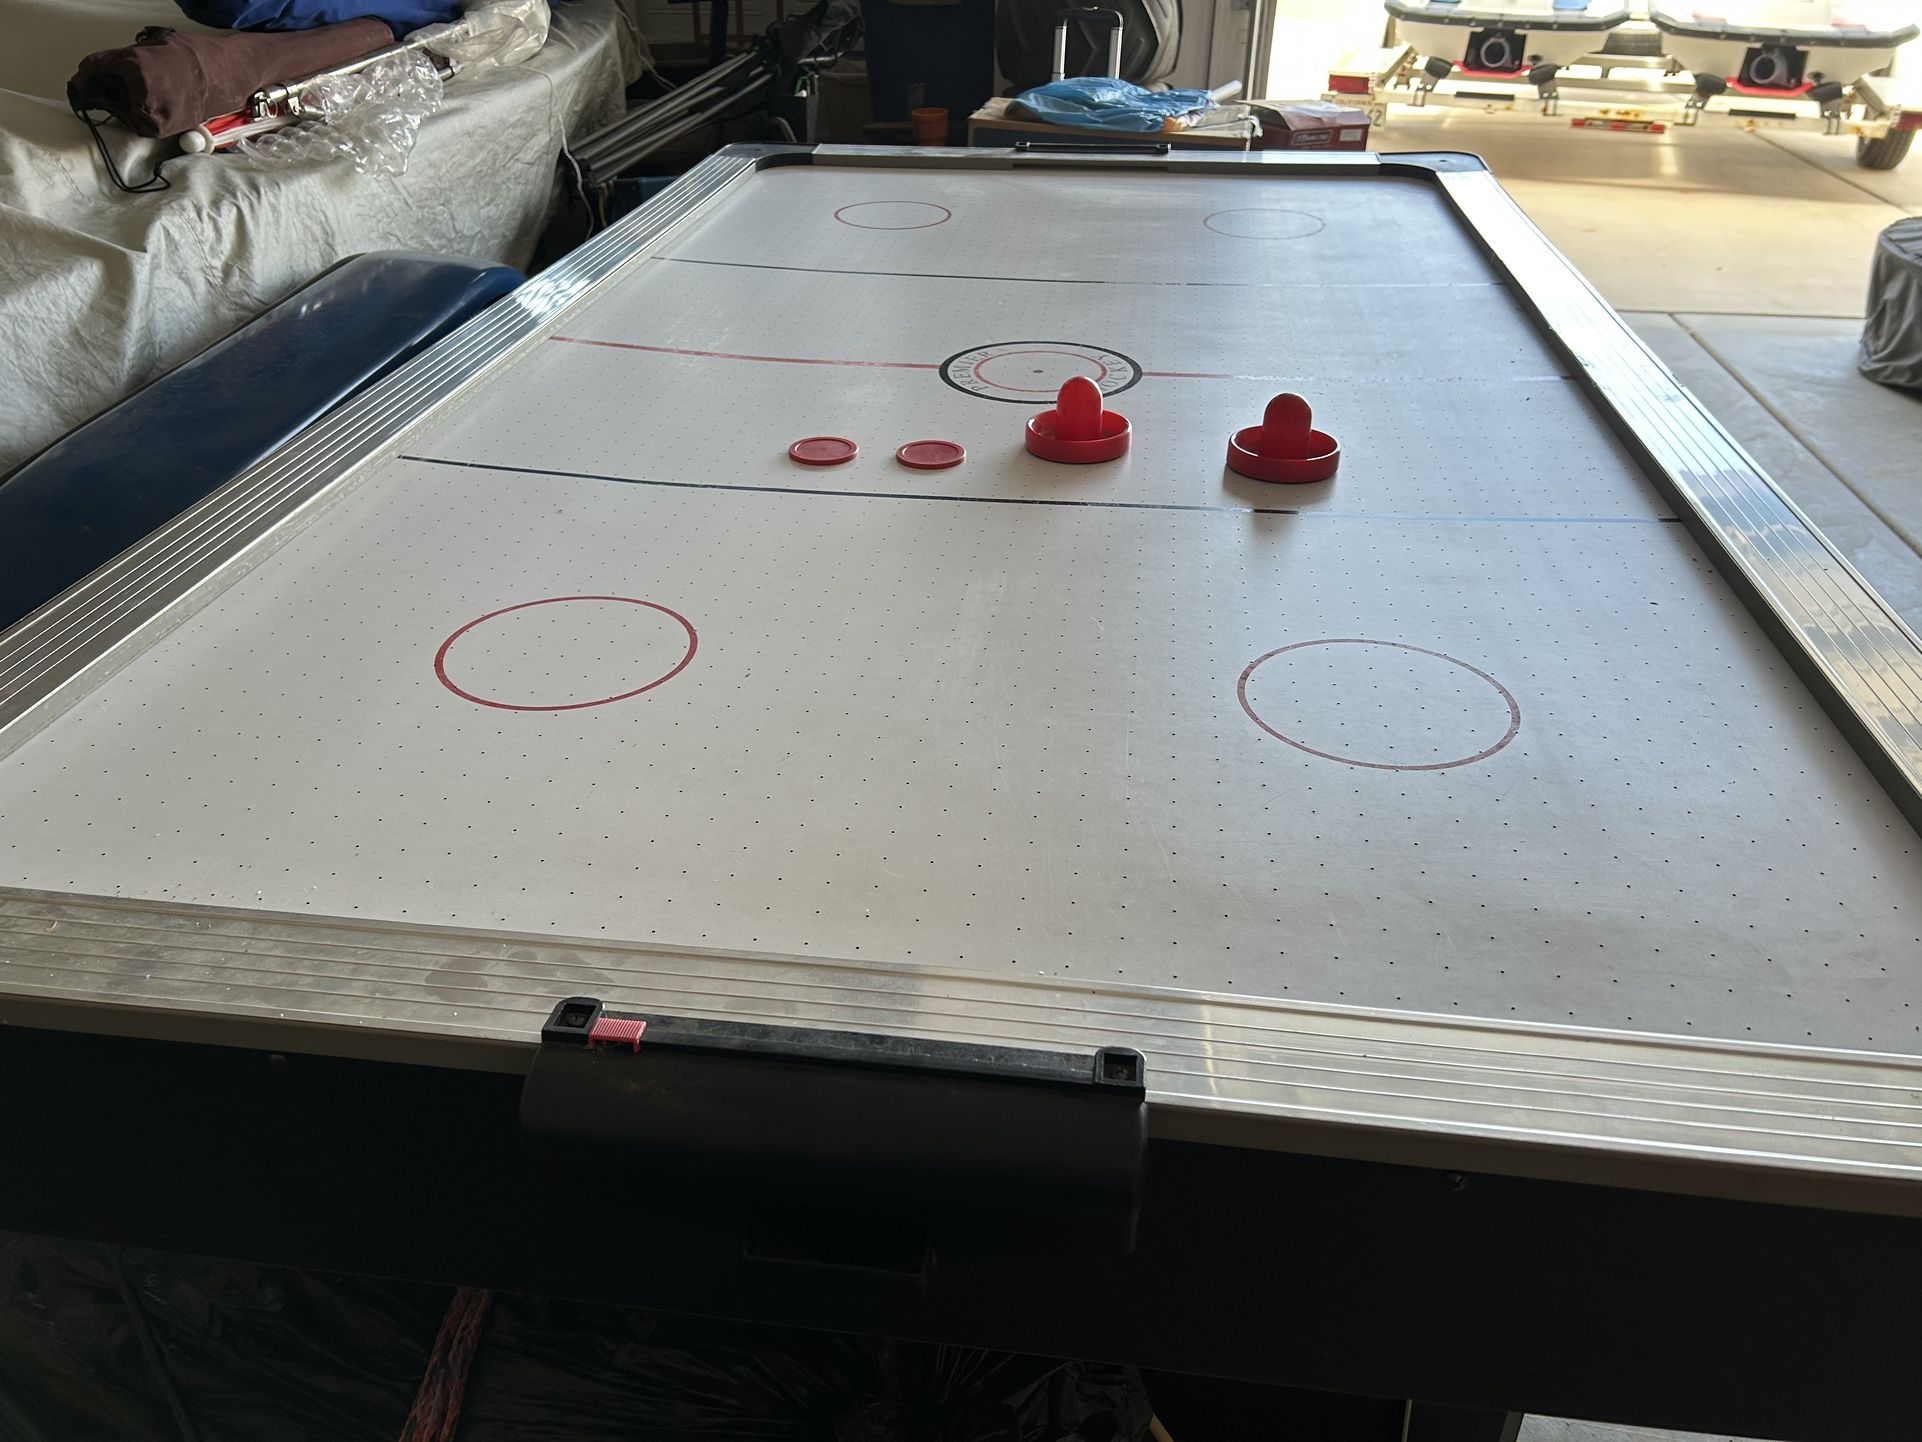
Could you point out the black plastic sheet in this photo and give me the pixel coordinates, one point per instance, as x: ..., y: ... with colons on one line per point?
x: 109, y: 1343
x: 1892, y: 335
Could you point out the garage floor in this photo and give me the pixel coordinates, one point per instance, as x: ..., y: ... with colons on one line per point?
x: 1743, y: 260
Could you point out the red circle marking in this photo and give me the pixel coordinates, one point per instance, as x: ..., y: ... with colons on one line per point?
x: 946, y: 214
x: 1000, y: 355
x: 931, y: 455
x: 440, y: 656
x: 823, y: 450
x: 1210, y: 219
x: 1514, y: 707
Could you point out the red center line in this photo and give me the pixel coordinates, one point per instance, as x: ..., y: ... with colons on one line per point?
x: 795, y: 360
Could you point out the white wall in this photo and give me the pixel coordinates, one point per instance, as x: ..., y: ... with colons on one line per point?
x: 1195, y: 64
x: 1908, y: 60
x: 1309, y: 36
x: 1312, y: 35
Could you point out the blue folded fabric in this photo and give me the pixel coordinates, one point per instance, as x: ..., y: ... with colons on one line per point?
x: 1103, y: 103
x: 403, y: 15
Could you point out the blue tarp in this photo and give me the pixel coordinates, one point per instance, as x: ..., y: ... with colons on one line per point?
x: 1103, y: 103
x: 403, y: 15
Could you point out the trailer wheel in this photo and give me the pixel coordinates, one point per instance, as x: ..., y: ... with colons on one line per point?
x: 1885, y: 152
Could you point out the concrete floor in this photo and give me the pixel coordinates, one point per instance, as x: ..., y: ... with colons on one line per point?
x: 1552, y: 1429
x: 1743, y: 261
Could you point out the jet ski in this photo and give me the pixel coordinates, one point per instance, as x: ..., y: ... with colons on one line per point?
x: 1782, y: 47
x: 1505, y: 37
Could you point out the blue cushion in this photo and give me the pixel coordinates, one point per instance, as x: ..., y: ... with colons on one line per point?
x: 95, y: 492
x: 403, y: 15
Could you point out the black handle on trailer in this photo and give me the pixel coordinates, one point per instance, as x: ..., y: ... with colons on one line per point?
x: 807, y: 1137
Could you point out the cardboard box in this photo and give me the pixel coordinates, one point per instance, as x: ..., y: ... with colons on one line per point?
x: 1310, y: 125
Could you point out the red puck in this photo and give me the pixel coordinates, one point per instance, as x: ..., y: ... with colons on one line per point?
x: 931, y: 455
x: 823, y: 450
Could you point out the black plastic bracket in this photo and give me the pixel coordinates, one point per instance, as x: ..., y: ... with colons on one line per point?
x: 963, y: 1139
x: 1092, y: 147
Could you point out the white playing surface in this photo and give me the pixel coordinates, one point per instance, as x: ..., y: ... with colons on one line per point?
x: 926, y: 722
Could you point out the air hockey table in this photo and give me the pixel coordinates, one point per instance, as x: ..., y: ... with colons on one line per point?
x: 1449, y: 932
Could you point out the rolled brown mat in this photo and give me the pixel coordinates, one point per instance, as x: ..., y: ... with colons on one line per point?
x: 167, y: 82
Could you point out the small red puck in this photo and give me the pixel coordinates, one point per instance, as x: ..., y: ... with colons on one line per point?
x: 930, y: 455
x: 823, y: 450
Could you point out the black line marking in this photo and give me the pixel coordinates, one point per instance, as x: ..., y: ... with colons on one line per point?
x: 1502, y: 520
x: 1020, y: 500
x: 856, y: 495
x: 1067, y: 280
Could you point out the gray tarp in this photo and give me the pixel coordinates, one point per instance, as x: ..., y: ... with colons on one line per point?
x: 100, y: 292
x: 1892, y: 336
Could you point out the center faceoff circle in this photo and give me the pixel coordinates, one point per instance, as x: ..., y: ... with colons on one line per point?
x: 1032, y: 372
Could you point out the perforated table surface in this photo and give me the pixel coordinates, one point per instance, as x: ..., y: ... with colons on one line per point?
x: 1533, y: 793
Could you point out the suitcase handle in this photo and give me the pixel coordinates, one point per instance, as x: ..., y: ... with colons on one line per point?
x: 1086, y: 18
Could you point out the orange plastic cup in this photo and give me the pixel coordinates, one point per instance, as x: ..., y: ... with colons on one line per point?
x: 930, y: 125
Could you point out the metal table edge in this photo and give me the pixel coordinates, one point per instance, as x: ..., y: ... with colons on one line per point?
x: 1739, y: 1120
x: 1861, y: 661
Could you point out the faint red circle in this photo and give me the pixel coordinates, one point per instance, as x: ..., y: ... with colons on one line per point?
x: 1264, y: 224
x: 1508, y: 698
x: 942, y: 219
x: 440, y: 656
